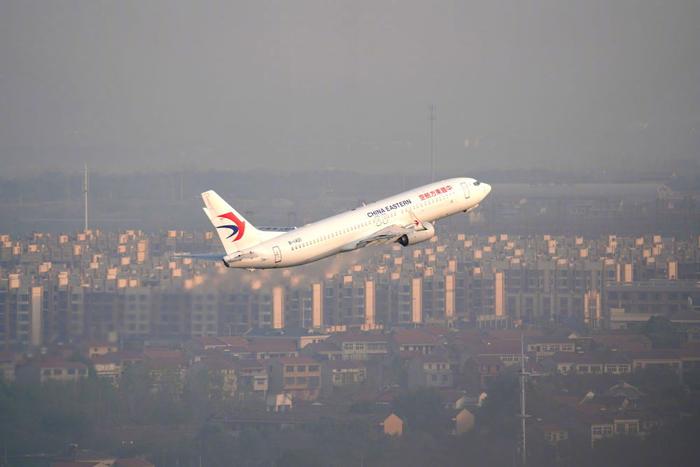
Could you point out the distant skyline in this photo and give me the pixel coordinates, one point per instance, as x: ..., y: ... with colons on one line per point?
x: 167, y: 85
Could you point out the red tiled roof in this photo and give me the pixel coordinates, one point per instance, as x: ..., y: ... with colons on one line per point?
x: 417, y: 337
x: 323, y: 346
x: 358, y: 336
x: 234, y: 341
x: 218, y: 363
x: 498, y: 347
x: 162, y: 358
x: 272, y: 344
x: 250, y: 363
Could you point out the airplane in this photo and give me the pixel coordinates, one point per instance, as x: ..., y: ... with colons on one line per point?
x: 406, y: 218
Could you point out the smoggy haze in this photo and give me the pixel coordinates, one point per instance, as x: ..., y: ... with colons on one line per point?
x: 131, y: 85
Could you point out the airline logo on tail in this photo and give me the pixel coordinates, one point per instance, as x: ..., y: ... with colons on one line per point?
x: 237, y: 228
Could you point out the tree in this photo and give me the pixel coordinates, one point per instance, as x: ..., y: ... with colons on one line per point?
x: 662, y: 333
x: 422, y: 410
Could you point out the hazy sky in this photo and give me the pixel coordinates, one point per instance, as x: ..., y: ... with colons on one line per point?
x: 133, y: 85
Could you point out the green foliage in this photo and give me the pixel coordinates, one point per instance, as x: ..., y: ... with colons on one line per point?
x: 662, y: 333
x: 422, y: 410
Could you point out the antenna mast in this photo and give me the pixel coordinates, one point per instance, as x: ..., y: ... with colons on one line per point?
x: 431, y: 120
x: 523, y: 415
x: 85, y: 194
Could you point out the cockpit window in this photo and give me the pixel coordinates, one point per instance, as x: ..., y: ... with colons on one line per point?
x: 477, y: 183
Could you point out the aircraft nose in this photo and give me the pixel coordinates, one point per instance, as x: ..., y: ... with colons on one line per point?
x: 487, y: 189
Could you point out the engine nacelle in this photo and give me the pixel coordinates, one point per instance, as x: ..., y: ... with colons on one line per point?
x: 418, y: 235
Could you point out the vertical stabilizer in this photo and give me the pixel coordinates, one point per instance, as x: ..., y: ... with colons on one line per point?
x: 235, y: 232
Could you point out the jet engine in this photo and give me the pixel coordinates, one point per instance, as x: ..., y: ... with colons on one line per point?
x: 417, y: 236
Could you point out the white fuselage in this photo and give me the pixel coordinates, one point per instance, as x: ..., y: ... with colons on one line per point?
x: 338, y: 233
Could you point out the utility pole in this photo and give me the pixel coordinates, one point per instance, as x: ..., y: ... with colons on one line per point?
x: 431, y: 121
x: 523, y: 416
x: 85, y: 194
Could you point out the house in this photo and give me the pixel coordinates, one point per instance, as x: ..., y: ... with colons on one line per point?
x: 591, y: 363
x: 548, y: 346
x: 92, y: 349
x: 52, y: 370
x: 356, y: 345
x: 107, y: 366
x: 622, y: 341
x: 417, y: 340
x: 463, y: 422
x: 392, y: 425
x: 253, y: 378
x: 224, y: 369
x: 298, y: 376
x: 509, y: 351
x: 554, y: 434
x: 607, y: 427
x: 265, y: 348
x: 167, y: 369
x: 432, y: 371
x: 670, y: 359
x: 111, y: 366
x: 488, y: 367
x: 338, y: 373
x: 323, y: 351
x: 282, y: 402
x: 8, y: 363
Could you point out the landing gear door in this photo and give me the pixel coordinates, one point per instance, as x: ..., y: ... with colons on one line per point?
x: 465, y: 189
x: 278, y: 254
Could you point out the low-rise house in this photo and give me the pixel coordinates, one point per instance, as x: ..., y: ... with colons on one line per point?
x: 253, y: 378
x: 591, y: 363
x: 621, y: 341
x: 264, y: 348
x: 392, y: 425
x: 111, y: 366
x: 282, y: 402
x: 432, y: 371
x: 417, y: 340
x: 8, y: 363
x: 463, y: 422
x: 507, y: 351
x: 670, y: 359
x: 167, y: 369
x: 548, y: 346
x: 52, y: 370
x: 92, y: 349
x: 298, y: 376
x: 223, y: 371
x: 554, y: 434
x: 338, y: 373
x: 361, y: 345
x: 323, y: 351
x: 108, y: 366
x: 609, y: 426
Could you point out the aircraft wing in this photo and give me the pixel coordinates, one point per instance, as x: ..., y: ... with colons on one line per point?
x: 386, y: 235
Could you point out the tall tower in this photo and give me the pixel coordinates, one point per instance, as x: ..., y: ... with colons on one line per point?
x: 431, y: 122
x: 85, y: 194
x: 523, y: 416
